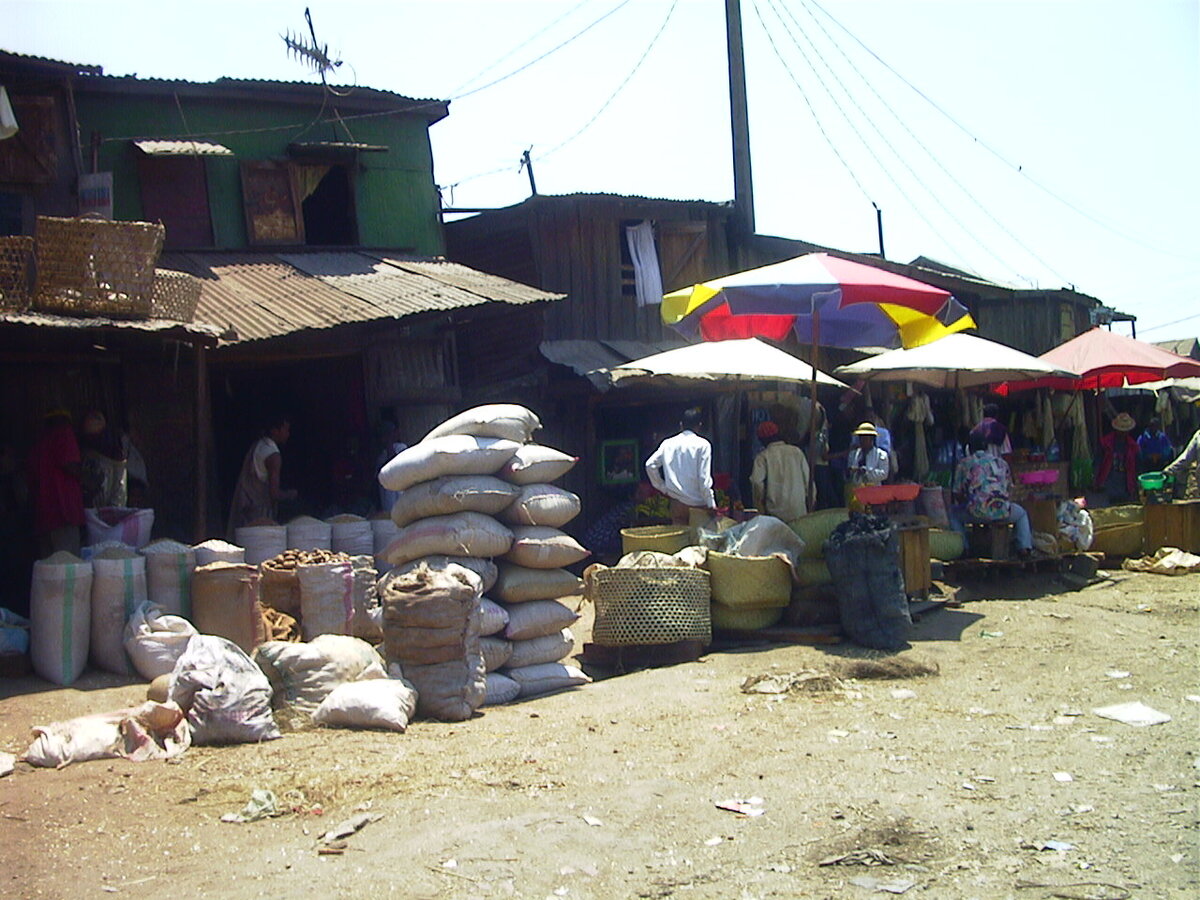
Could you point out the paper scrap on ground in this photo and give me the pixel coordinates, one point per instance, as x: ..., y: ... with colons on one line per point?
x: 751, y: 807
x: 7, y: 763
x: 1133, y: 713
x: 262, y: 805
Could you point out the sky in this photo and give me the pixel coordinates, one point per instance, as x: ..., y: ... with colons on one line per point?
x: 1038, y: 143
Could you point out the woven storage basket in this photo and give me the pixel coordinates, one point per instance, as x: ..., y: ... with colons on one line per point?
x: 815, y: 528
x: 726, y: 618
x: 648, y: 605
x: 174, y: 295
x: 663, y: 538
x: 1120, y: 540
x: 16, y: 252
x: 749, y: 582
x: 946, y: 545
x: 94, y: 267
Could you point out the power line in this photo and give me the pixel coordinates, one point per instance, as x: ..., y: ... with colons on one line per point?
x: 866, y: 145
x: 1169, y: 324
x: 929, y: 153
x: 1019, y: 169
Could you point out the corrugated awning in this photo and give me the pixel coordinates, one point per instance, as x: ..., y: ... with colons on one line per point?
x: 334, y: 148
x: 182, y: 148
x: 583, y: 356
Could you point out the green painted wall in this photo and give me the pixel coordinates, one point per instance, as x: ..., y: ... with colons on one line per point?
x: 394, y: 191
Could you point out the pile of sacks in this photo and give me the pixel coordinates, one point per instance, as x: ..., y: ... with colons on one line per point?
x: 475, y: 495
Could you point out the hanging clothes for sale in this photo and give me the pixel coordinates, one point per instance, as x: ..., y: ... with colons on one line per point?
x: 920, y: 413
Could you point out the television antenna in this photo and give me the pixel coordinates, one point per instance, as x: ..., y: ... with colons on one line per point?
x: 313, y: 53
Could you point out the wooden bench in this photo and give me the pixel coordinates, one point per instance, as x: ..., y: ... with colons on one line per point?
x: 989, y: 540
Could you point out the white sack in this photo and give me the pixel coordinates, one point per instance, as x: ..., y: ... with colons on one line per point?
x: 215, y: 550
x: 118, y: 587
x: 169, y: 567
x: 261, y: 542
x: 546, y: 677
x: 545, y: 649
x: 541, y: 504
x: 500, y: 689
x: 519, y: 584
x: 387, y: 703
x: 456, y: 454
x: 451, y: 494
x: 155, y: 640
x: 303, y: 675
x: 383, y: 532
x: 500, y: 420
x: 326, y: 598
x: 461, y: 534
x: 351, y: 535
x: 150, y: 731
x: 225, y: 694
x: 536, y: 618
x: 367, y: 622
x: 540, y: 547
x: 60, y: 617
x: 449, y: 691
x: 307, y: 533
x: 535, y: 464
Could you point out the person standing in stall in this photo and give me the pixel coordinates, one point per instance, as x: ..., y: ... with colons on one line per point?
x: 1117, y: 475
x: 779, y: 476
x: 56, y: 486
x: 681, y: 468
x: 1154, y: 447
x: 258, y: 492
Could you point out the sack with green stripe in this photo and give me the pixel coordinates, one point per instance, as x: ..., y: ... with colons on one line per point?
x: 60, y: 605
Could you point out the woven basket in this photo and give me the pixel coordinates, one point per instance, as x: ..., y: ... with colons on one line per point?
x: 648, y: 605
x: 725, y: 618
x: 815, y: 528
x: 946, y: 545
x: 1120, y: 540
x: 15, y: 255
x: 94, y: 267
x: 663, y: 538
x: 174, y: 295
x: 749, y: 582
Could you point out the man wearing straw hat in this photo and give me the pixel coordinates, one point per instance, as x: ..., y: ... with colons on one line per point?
x: 779, y: 476
x: 1117, y: 475
x: 681, y: 468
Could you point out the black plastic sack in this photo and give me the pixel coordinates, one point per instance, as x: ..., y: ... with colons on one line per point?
x: 863, y: 558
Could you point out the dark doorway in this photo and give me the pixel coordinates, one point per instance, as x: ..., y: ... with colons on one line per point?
x: 329, y: 211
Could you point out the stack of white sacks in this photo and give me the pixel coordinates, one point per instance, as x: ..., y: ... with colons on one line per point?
x: 476, y: 492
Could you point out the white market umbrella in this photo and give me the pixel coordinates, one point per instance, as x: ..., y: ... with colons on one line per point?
x: 955, y: 361
x: 732, y: 361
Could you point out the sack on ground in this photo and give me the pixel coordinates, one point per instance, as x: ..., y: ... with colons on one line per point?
x: 169, y: 567
x: 60, y: 617
x: 387, y: 703
x: 545, y: 649
x: 261, y: 542
x: 216, y: 550
x: 500, y: 689
x: 455, y: 454
x: 450, y: 494
x: 520, y: 584
x: 326, y: 598
x: 536, y: 618
x: 541, y: 504
x: 460, y: 534
x: 368, y: 611
x: 535, y: 464
x: 540, y: 547
x: 501, y: 420
x: 224, y: 693
x: 351, y: 535
x: 546, y: 677
x: 225, y: 603
x: 496, y: 652
x: 863, y: 559
x: 150, y: 731
x: 431, y: 616
x: 155, y: 640
x: 302, y: 675
x: 449, y: 691
x: 118, y: 587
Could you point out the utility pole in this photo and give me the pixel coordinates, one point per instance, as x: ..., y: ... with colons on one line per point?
x: 527, y: 164
x: 743, y: 187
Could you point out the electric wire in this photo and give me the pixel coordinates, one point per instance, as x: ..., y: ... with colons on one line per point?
x: 1019, y: 169
x: 917, y: 140
x: 1169, y: 324
x: 525, y: 43
x: 862, y: 140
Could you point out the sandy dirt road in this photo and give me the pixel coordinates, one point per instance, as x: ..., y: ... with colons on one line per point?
x: 959, y: 784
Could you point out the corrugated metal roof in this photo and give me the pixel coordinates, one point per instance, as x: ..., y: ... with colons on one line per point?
x: 82, y: 68
x: 264, y: 295
x: 587, y: 356
x: 182, y: 148
x: 48, y: 320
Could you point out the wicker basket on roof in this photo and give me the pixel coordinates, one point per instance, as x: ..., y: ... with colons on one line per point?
x: 174, y: 295
x: 648, y: 605
x: 94, y: 267
x: 16, y: 253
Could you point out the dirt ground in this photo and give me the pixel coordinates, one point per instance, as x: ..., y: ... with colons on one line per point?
x: 954, y: 785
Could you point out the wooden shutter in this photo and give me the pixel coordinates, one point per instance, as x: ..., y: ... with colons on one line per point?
x: 270, y: 200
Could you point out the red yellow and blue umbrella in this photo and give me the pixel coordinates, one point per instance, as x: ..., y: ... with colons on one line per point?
x: 824, y: 299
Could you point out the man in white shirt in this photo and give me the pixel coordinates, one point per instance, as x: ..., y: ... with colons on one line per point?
x: 681, y: 468
x: 779, y: 476
x: 867, y: 464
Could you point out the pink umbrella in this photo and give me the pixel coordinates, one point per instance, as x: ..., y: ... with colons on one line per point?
x: 1103, y: 360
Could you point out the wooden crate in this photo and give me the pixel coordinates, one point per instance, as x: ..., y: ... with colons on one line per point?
x: 1174, y: 524
x: 914, y: 557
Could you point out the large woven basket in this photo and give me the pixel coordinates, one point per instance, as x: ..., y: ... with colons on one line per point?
x: 1120, y: 540
x: 94, y: 267
x: 16, y: 253
x: 174, y: 295
x: 749, y: 582
x: 648, y: 605
x: 663, y: 538
x: 727, y: 618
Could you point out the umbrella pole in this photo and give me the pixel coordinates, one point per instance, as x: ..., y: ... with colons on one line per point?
x: 812, y: 413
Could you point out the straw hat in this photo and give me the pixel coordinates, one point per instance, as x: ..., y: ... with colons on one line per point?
x: 1124, y: 422
x: 767, y: 430
x: 866, y: 428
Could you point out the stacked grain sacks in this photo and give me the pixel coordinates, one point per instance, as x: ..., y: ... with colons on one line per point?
x: 476, y: 488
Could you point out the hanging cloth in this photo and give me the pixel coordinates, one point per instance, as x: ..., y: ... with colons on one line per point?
x: 1164, y: 409
x: 647, y: 278
x: 8, y: 119
x: 920, y: 413
x: 1047, y: 437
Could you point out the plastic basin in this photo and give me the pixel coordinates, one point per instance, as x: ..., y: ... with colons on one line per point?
x: 1039, y: 476
x: 1152, y: 481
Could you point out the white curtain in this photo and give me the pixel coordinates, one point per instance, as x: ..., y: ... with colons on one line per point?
x: 646, y: 274
x: 8, y: 121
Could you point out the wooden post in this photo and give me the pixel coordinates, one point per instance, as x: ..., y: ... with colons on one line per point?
x: 812, y: 413
x: 202, y: 442
x: 743, y: 188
